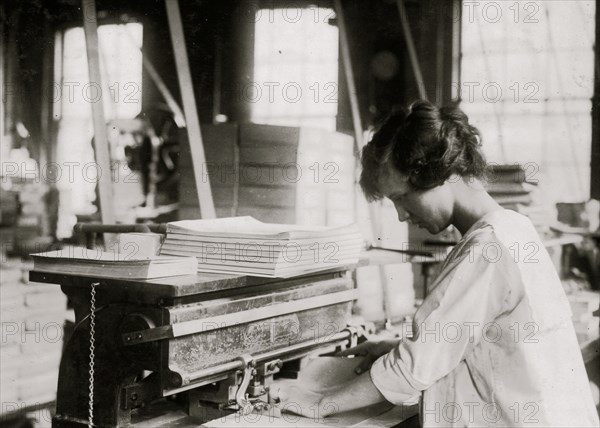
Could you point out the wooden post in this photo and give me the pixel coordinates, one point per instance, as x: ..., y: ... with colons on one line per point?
x: 354, y: 107
x: 455, y: 74
x: 207, y: 208
x: 101, y: 151
x: 595, y: 160
x: 2, y: 84
x: 412, y: 53
x: 347, y: 64
x: 217, y: 81
x: 46, y: 97
x: 178, y: 116
x: 374, y: 213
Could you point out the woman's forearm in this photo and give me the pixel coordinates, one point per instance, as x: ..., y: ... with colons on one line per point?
x: 359, y: 392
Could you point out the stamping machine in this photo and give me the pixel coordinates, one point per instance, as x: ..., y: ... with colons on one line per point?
x: 209, y: 344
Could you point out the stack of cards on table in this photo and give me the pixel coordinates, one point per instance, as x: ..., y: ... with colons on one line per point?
x: 246, y: 246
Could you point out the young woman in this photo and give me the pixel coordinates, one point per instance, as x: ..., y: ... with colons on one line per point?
x: 493, y: 343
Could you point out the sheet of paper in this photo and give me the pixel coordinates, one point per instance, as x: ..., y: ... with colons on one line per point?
x: 324, y: 373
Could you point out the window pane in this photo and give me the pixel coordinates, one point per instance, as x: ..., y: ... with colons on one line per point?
x: 120, y: 94
x: 296, y: 68
x: 527, y: 83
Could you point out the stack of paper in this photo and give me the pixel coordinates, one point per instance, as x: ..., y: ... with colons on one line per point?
x: 80, y: 261
x: 244, y: 245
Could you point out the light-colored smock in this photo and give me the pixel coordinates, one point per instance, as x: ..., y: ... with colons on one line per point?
x: 493, y: 343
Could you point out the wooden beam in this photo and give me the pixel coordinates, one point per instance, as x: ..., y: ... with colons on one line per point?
x: 56, y: 106
x: 347, y: 64
x: 412, y: 53
x: 595, y: 158
x: 455, y: 66
x: 178, y: 115
x: 101, y: 151
x: 12, y: 83
x: 374, y: 212
x: 46, y: 96
x: 207, y: 207
x: 217, y: 81
x: 362, y: 204
x: 2, y: 84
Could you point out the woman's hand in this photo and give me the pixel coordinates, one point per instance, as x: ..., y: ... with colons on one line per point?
x: 370, y: 350
x: 301, y: 401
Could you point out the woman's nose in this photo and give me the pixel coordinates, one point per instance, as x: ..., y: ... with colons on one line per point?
x: 402, y: 214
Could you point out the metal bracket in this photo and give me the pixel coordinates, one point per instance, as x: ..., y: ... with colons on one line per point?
x: 353, y: 337
x: 140, y: 393
x: 245, y: 404
x: 270, y: 367
x: 241, y: 396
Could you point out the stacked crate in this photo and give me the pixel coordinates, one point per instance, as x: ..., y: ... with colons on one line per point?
x: 269, y: 172
x: 9, y: 207
x: 32, y: 317
x: 30, y: 224
x: 273, y: 173
x: 515, y: 187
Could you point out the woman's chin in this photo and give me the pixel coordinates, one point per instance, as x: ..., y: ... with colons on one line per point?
x: 429, y: 228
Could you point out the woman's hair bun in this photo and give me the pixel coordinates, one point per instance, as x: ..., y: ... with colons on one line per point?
x: 426, y: 143
x: 435, y: 144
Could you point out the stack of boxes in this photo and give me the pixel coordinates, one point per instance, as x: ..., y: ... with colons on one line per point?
x: 32, y: 217
x: 9, y: 207
x: 273, y: 173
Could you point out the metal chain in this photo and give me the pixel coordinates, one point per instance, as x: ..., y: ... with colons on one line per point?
x: 92, y: 352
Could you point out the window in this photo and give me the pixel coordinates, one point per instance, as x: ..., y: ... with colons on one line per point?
x: 120, y: 94
x: 295, y: 68
x: 527, y: 83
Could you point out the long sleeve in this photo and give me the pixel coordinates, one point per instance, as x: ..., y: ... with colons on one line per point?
x: 470, y: 293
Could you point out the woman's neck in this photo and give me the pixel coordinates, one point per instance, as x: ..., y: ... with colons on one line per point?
x: 472, y: 202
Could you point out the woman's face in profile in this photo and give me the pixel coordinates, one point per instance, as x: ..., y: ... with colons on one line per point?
x: 428, y: 209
